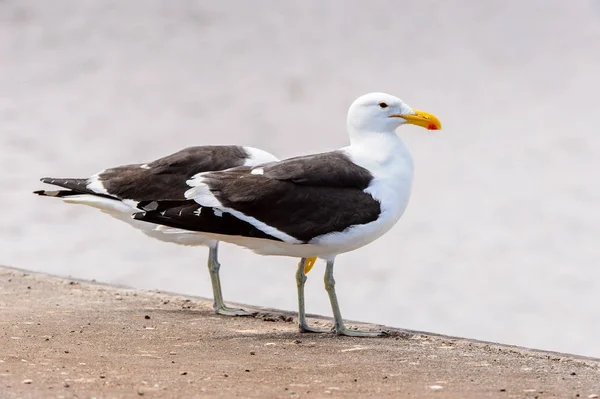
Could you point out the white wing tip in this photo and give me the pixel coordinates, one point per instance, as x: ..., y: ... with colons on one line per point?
x: 201, y: 193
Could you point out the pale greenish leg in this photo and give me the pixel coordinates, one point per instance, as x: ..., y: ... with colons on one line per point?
x: 300, y: 281
x: 339, y: 327
x: 218, y: 303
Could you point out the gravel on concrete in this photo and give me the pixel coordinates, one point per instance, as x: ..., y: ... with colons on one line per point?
x: 63, y: 338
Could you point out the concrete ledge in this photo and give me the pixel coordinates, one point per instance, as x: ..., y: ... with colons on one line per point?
x: 67, y: 338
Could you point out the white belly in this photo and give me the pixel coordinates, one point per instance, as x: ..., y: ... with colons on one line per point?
x: 123, y: 212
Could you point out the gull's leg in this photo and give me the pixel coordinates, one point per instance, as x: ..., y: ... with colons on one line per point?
x: 300, y: 280
x: 339, y: 327
x: 213, y: 269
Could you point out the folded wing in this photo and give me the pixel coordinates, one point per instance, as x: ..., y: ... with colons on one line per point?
x: 294, y: 200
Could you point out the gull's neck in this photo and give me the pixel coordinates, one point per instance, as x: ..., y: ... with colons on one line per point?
x: 365, y: 137
x: 382, y: 151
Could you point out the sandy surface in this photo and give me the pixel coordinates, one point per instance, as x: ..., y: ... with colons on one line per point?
x: 500, y: 239
x: 64, y: 338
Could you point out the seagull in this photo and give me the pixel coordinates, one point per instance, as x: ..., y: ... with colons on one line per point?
x: 117, y: 191
x: 319, y: 205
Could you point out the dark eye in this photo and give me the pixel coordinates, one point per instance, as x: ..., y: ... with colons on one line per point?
x: 383, y: 105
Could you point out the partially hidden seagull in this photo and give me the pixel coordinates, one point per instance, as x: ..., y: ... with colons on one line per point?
x: 316, y: 205
x: 117, y: 191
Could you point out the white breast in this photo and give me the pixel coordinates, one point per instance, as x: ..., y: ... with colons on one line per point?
x: 390, y: 163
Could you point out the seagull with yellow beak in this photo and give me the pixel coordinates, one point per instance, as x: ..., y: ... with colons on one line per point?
x: 118, y: 190
x: 317, y: 205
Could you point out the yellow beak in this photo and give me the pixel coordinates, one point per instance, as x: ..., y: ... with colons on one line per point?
x: 421, y: 118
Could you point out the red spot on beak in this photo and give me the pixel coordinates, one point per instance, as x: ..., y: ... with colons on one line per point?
x: 432, y: 127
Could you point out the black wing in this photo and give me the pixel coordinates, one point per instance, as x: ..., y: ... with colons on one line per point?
x: 163, y: 179
x: 304, y: 197
x: 189, y: 215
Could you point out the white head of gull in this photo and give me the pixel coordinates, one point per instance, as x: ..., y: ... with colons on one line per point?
x: 318, y: 205
x: 380, y: 112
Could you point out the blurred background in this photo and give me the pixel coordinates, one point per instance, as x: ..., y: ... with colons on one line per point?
x: 501, y: 239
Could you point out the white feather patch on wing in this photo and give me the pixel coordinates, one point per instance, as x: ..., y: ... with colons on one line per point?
x: 265, y: 228
x: 200, y: 192
x: 190, y: 182
x: 96, y: 185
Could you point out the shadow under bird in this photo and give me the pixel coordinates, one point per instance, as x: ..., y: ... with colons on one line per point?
x: 117, y: 191
x: 316, y: 205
